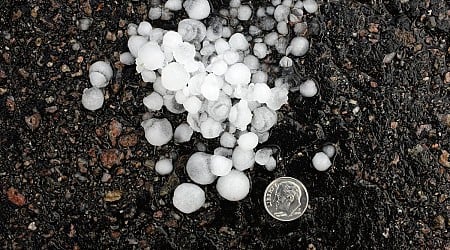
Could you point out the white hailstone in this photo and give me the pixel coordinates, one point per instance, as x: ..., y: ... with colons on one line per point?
x: 100, y: 73
x: 240, y: 115
x: 321, y: 161
x: 144, y: 28
x: 127, y: 58
x: 261, y: 92
x: 174, y: 5
x: 184, y: 53
x: 174, y: 76
x: 329, y: 150
x: 298, y: 5
x: 220, y: 165
x: 244, y: 12
x: 226, y: 152
x: 157, y: 87
x: 221, y: 45
x: 231, y: 57
x: 227, y: 140
x: 92, y: 98
x: 183, y: 133
x: 154, y: 13
x: 248, y: 141
x: 197, y: 9
x: 263, y: 119
x: 192, y: 104
x: 262, y: 156
x: 210, y: 87
x: 260, y: 77
x: 191, y: 30
x: 164, y: 166
x: 278, y: 97
x: 150, y: 56
x: 286, y: 62
x: 227, y: 89
x: 172, y: 105
x: 308, y: 88
x: 260, y: 50
x: 271, y: 39
x: 154, y: 101
x: 254, y: 31
x: 210, y: 128
x: 166, y: 14
x: 148, y: 76
x: 281, y: 13
x: 276, y: 2
x: 218, y: 67
x: 132, y: 29
x: 310, y: 6
x: 298, y: 46
x: 282, y: 28
x: 238, y: 74
x: 235, y: 3
x: 135, y: 43
x: 214, y: 30
x: 238, y: 42
x: 287, y: 3
x: 251, y: 61
x: 242, y: 158
x: 195, y: 83
x: 263, y: 136
x: 198, y: 168
x: 271, y: 164
x: 188, y: 198
x: 207, y: 50
x: 234, y: 187
x: 219, y: 109
x: 226, y: 32
x: 234, y: 13
x: 270, y: 10
x: 194, y: 121
x: 180, y: 97
x: 241, y: 92
x: 171, y: 40
x: 157, y: 131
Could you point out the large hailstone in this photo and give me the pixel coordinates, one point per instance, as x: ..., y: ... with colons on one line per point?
x: 242, y: 158
x: 240, y: 115
x: 197, y: 9
x: 174, y: 76
x: 219, y: 110
x: 263, y: 119
x: 157, y: 131
x: 234, y: 187
x: 321, y: 161
x: 238, y: 74
x: 150, y: 56
x: 191, y: 30
x: 92, y: 98
x: 298, y: 46
x: 135, y: 42
x: 211, y: 128
x: 183, y: 133
x: 188, y: 198
x: 164, y: 166
x: 220, y: 165
x: 248, y: 141
x: 100, y: 73
x: 198, y: 168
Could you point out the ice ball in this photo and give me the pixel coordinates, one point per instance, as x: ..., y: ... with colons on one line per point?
x: 188, y: 198
x: 174, y: 76
x: 248, y: 141
x: 234, y: 187
x: 164, y: 166
x: 298, y: 46
x: 183, y: 133
x: 197, y: 9
x: 92, y: 98
x: 154, y: 101
x: 157, y: 131
x: 321, y: 161
x: 198, y: 168
x: 242, y: 158
x: 238, y: 74
x: 220, y: 165
x: 308, y: 88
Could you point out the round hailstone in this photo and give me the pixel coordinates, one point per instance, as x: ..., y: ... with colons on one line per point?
x: 308, y: 88
x: 238, y: 42
x: 183, y: 133
x: 135, y: 43
x: 156, y: 35
x: 259, y: 77
x: 127, y: 58
x: 251, y: 61
x: 198, y: 168
x: 329, y: 150
x: 210, y: 128
x: 261, y: 92
x: 210, y: 88
x: 172, y: 105
x: 260, y: 50
x: 244, y: 12
x: 184, y: 53
x: 226, y: 152
x: 243, y: 159
x: 271, y: 38
x: 157, y: 87
x: 227, y: 140
x: 221, y: 45
x: 174, y: 5
x: 144, y: 28
x: 92, y: 98
x: 171, y: 40
x: 154, y: 13
x: 98, y: 80
x: 188, y: 198
x: 238, y: 74
x: 263, y: 155
x: 174, y: 76
x: 248, y: 141
x: 195, y: 83
x: 217, y: 67
x: 310, y: 6
x: 219, y: 110
x: 220, y: 165
x: 157, y: 131
x: 240, y: 115
x: 231, y: 57
x: 263, y: 119
x: 197, y: 9
x: 148, y: 76
x: 164, y: 166
x: 192, y: 104
x: 298, y: 46
x: 234, y: 187
x: 271, y: 164
x: 235, y: 3
x: 286, y: 62
x: 278, y: 97
x: 100, y: 73
x: 321, y: 161
x: 281, y: 13
x: 150, y: 56
x: 154, y: 101
x: 191, y: 30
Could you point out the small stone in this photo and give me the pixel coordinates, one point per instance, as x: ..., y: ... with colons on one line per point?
x: 111, y: 196
x: 15, y: 197
x: 33, y: 121
x: 111, y: 157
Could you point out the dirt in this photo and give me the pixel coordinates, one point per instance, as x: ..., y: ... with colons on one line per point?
x: 75, y: 179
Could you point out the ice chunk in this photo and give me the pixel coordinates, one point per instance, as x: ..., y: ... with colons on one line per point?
x: 171, y: 40
x: 278, y: 97
x: 259, y: 92
x: 310, y: 6
x: 240, y: 115
x: 198, y: 168
x: 211, y: 86
x: 308, y: 88
x: 127, y: 58
x: 148, y: 75
x: 172, y: 105
x: 263, y: 119
x: 194, y: 121
x: 188, y: 198
x: 184, y: 53
x: 281, y: 13
x: 183, y: 133
x: 298, y: 46
x: 180, y: 97
x: 174, y: 76
x: 238, y: 42
x: 260, y: 50
x: 210, y: 128
x: 271, y: 39
x: 156, y: 35
x: 214, y: 30
x: 192, y: 30
x: 235, y: 3
x: 251, y: 61
x: 329, y: 150
x: 271, y: 164
x: 195, y: 83
x: 92, y: 98
x: 154, y: 13
x: 227, y: 152
x: 157, y: 131
x: 154, y: 101
x: 262, y: 156
x: 248, y: 141
x: 231, y: 57
x: 220, y: 165
x: 321, y: 161
x: 150, y: 56
x: 221, y: 45
x: 219, y: 110
x: 218, y: 67
x: 157, y: 86
x: 98, y: 80
x: 234, y: 187
x: 135, y: 43
x: 144, y: 28
x: 100, y: 73
x: 164, y: 166
x: 238, y: 74
x: 243, y: 159
x: 192, y: 104
x: 174, y: 5
x: 286, y: 62
x: 132, y: 29
x: 197, y: 9
x: 259, y: 77
x: 227, y: 140
x: 244, y: 12
x: 282, y: 28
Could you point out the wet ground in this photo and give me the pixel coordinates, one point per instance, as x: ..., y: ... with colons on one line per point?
x: 74, y: 179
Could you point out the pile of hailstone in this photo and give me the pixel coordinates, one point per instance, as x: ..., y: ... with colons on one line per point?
x: 216, y: 74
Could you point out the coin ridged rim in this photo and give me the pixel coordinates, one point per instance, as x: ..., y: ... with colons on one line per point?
x: 279, y: 179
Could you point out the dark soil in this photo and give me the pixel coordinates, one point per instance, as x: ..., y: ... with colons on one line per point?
x: 70, y: 179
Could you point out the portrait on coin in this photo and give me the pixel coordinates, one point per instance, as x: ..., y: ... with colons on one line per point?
x: 287, y: 199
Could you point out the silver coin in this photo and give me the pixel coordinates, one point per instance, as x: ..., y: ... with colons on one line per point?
x: 286, y: 199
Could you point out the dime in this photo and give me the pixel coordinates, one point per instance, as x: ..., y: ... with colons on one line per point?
x: 286, y: 199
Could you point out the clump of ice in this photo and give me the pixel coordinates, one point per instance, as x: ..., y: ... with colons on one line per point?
x: 183, y: 133
x: 308, y: 88
x: 92, y: 98
x: 298, y: 46
x: 243, y: 158
x: 248, y: 141
x: 234, y: 187
x: 157, y: 131
x: 164, y: 166
x: 321, y: 161
x: 100, y: 73
x: 198, y: 168
x: 263, y: 155
x: 227, y: 140
x: 220, y: 165
x: 188, y: 198
x: 154, y: 101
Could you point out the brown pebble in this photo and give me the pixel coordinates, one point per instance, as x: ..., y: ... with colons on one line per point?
x: 439, y: 222
x: 129, y: 140
x: 7, y: 57
x: 115, y: 129
x: 373, y: 27
x: 16, y: 15
x: 373, y: 84
x: 110, y: 36
x: 158, y: 214
x: 111, y: 157
x: 2, y: 76
x: 115, y: 234
x: 443, y: 159
x: 447, y: 77
x: 34, y: 11
x: 111, y: 196
x: 10, y: 103
x: 33, y: 121
x: 65, y: 68
x: 15, y: 197
x: 24, y: 73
